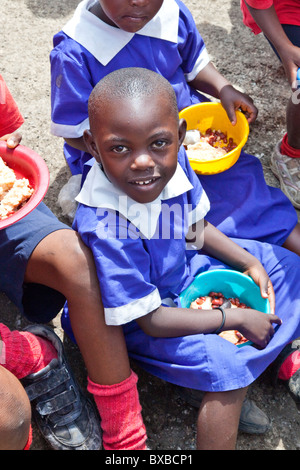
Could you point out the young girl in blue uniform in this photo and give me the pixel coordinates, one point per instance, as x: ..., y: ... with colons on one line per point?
x: 136, y: 180
x: 161, y: 35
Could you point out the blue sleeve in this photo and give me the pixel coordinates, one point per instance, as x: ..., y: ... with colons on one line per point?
x: 71, y: 85
x: 190, y: 43
x: 122, y: 263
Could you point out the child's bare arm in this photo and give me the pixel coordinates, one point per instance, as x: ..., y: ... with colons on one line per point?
x: 256, y: 326
x: 223, y: 248
x: 269, y: 23
x: 173, y: 322
x: 210, y: 81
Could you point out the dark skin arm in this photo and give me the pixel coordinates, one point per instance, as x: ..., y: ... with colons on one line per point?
x: 256, y: 326
x: 268, y: 22
x: 210, y: 81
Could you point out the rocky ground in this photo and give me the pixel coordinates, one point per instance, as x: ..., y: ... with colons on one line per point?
x: 27, y: 27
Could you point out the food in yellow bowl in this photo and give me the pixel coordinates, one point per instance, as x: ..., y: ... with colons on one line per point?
x: 213, y: 143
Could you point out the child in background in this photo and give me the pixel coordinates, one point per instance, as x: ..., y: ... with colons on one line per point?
x: 135, y: 138
x: 161, y: 35
x: 280, y: 22
x: 43, y: 262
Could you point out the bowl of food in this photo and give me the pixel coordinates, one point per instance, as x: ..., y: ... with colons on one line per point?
x: 228, y: 288
x: 24, y: 181
x: 212, y: 143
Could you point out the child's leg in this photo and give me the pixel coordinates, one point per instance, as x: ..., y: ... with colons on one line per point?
x: 63, y: 262
x: 15, y: 413
x: 218, y: 420
x: 293, y: 121
x: 285, y: 162
x: 65, y: 417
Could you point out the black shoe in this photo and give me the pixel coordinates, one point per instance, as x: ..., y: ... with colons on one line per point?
x: 65, y: 417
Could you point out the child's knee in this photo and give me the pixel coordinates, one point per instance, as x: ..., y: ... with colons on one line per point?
x: 82, y: 269
x: 15, y: 413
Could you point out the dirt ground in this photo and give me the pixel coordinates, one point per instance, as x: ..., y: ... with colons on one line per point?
x: 27, y: 27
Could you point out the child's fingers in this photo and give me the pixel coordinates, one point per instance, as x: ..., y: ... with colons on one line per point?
x: 271, y: 295
x: 12, y: 140
x: 230, y: 110
x: 275, y: 319
x: 250, y: 111
x: 267, y: 291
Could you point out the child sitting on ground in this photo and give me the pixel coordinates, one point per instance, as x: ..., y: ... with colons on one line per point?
x: 141, y: 175
x: 43, y: 262
x: 161, y: 35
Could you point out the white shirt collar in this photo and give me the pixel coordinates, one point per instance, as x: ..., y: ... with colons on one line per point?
x: 98, y: 191
x: 104, y: 42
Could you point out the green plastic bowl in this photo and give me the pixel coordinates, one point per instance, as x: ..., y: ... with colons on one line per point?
x: 231, y: 284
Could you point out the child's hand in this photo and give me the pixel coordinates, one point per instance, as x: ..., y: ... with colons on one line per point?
x: 257, y: 326
x: 261, y: 278
x: 290, y: 56
x: 12, y: 140
x: 232, y: 100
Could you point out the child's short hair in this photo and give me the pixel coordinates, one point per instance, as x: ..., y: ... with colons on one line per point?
x: 131, y: 82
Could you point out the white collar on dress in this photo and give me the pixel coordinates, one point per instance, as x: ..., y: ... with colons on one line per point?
x: 98, y: 191
x: 104, y: 42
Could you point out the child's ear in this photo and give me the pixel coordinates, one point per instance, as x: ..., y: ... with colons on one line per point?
x: 181, y: 131
x: 90, y: 144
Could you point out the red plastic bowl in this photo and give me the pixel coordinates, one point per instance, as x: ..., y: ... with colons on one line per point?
x: 26, y: 164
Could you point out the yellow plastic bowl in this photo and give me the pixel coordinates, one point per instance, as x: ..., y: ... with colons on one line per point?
x: 203, y: 116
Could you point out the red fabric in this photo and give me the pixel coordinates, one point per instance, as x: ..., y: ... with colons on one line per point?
x: 288, y: 12
x: 10, y: 116
x: 120, y: 411
x: 289, y: 366
x: 29, y: 442
x: 286, y: 149
x: 24, y: 353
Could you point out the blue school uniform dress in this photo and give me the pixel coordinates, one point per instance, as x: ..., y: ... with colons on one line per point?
x: 86, y: 49
x: 143, y: 261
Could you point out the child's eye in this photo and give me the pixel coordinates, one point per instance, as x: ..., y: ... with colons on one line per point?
x: 120, y: 149
x: 159, y: 144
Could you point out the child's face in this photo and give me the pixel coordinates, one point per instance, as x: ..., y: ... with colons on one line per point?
x: 137, y: 143
x: 128, y: 15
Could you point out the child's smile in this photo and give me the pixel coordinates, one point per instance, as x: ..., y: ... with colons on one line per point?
x: 137, y: 142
